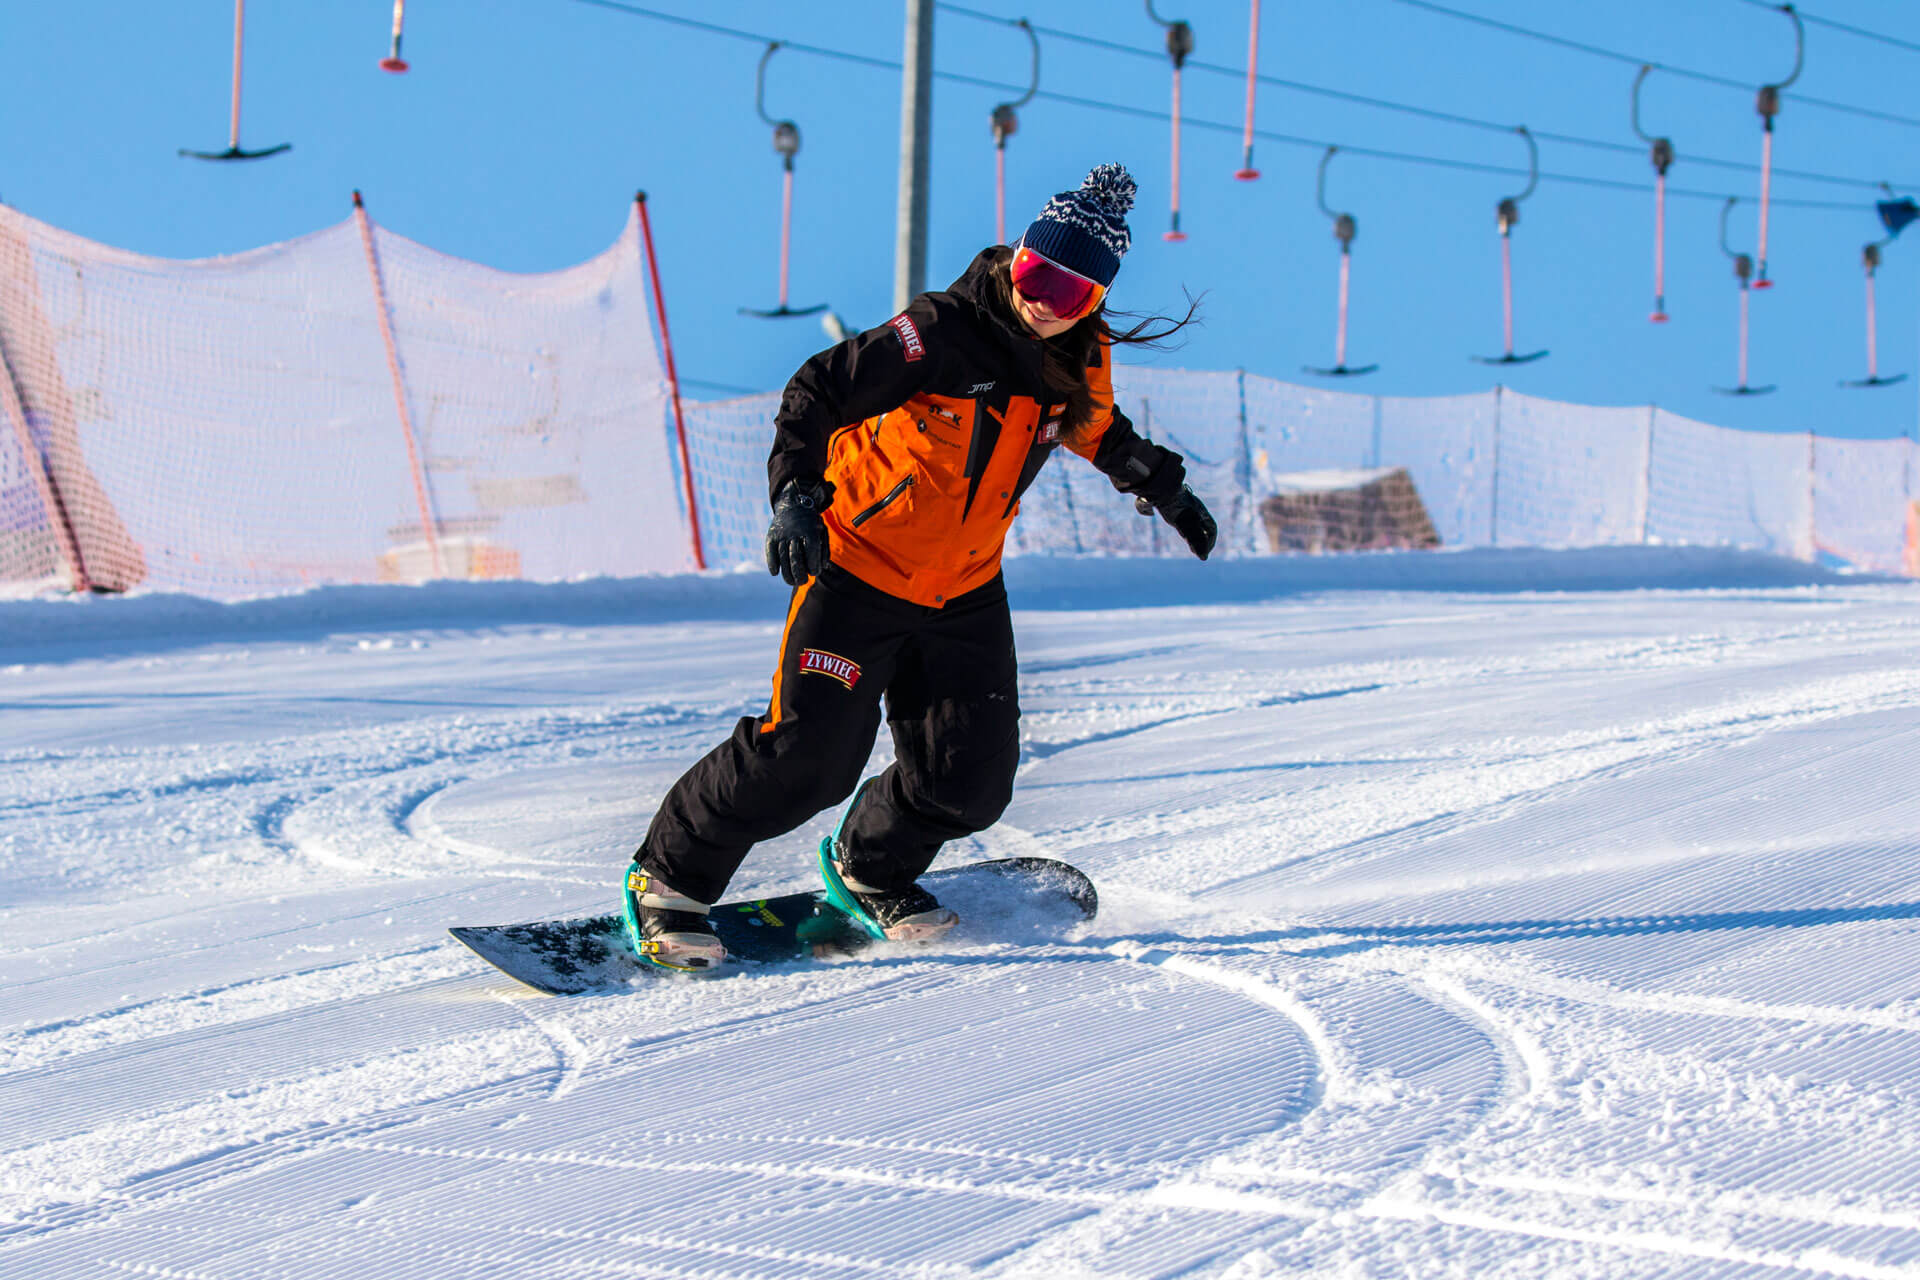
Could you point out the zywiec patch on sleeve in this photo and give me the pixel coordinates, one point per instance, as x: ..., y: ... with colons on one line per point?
x: 909, y: 336
x: 831, y: 665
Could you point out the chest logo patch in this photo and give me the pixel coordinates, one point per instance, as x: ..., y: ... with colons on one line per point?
x: 831, y: 665
x: 1050, y: 431
x: 910, y: 343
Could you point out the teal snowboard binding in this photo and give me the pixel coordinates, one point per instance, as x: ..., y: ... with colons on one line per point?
x: 897, y: 915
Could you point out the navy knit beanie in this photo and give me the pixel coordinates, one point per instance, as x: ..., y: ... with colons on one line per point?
x: 1086, y: 230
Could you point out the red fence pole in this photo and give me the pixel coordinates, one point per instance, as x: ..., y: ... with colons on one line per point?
x: 673, y: 379
x: 399, y: 390
x: 56, y: 510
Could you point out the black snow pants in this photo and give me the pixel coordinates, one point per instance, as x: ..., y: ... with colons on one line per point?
x: 949, y: 679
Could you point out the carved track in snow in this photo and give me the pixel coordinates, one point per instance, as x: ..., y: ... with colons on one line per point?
x: 1570, y: 935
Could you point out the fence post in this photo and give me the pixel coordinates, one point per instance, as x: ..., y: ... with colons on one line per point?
x: 673, y: 379
x: 1813, y: 521
x: 1249, y: 518
x: 1146, y: 430
x: 1373, y: 459
x: 428, y: 525
x: 1646, y: 476
x: 56, y: 510
x: 1493, y: 517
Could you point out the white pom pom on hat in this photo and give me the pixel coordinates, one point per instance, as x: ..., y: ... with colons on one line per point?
x: 1112, y: 186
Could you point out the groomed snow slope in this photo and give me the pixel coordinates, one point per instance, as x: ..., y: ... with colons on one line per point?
x: 1501, y: 919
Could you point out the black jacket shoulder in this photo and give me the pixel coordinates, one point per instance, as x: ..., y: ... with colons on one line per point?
x: 944, y: 343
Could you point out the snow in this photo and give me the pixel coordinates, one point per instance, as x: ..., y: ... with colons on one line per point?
x: 1495, y: 913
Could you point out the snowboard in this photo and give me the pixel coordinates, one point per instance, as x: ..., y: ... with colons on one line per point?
x: 1001, y: 900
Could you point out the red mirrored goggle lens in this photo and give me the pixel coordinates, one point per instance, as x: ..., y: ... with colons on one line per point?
x: 1041, y: 280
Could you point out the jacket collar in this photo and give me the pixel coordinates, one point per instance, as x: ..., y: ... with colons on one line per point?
x: 976, y: 286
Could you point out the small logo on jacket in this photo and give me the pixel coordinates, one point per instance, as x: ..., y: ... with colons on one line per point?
x: 1050, y: 431
x: 909, y: 336
x: 831, y: 665
x: 980, y: 388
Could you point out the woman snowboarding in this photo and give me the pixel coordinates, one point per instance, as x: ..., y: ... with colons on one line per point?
x: 898, y: 462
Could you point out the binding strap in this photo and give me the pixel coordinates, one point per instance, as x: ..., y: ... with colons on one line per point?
x: 655, y: 894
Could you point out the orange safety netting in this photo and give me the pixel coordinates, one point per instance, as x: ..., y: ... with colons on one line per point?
x: 240, y: 425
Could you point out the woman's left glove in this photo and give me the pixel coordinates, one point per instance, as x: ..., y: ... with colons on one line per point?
x: 1188, y: 516
x: 797, y: 538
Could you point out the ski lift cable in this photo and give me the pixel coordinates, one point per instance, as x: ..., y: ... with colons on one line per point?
x: 1862, y: 32
x: 714, y: 28
x: 1406, y: 108
x: 1145, y: 113
x: 1406, y: 157
x: 1704, y: 77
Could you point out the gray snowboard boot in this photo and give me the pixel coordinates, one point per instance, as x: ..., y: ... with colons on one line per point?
x: 667, y: 929
x: 897, y: 915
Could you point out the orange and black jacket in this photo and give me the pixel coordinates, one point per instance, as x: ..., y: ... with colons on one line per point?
x: 930, y: 427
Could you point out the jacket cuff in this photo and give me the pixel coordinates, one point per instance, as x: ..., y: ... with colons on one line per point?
x: 1152, y: 472
x: 819, y: 491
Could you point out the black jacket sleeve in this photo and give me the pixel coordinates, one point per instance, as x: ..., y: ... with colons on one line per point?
x: 1138, y: 466
x: 858, y: 379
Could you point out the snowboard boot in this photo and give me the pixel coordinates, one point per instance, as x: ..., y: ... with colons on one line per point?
x: 669, y: 930
x: 897, y: 915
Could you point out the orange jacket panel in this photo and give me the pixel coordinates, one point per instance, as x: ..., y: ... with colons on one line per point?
x: 930, y: 427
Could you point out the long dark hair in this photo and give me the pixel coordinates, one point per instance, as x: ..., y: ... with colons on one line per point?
x: 1068, y: 356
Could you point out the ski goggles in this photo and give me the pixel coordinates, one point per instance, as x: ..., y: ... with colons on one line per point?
x: 1068, y: 294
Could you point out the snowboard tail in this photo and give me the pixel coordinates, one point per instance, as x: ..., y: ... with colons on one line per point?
x: 1004, y: 899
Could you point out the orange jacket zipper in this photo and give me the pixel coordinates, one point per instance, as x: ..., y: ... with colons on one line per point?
x: 884, y: 503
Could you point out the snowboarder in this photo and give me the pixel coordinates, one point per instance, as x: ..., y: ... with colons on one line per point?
x: 898, y: 462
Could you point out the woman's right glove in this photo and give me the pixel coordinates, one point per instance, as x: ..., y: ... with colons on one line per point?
x: 797, y: 538
x: 1188, y: 516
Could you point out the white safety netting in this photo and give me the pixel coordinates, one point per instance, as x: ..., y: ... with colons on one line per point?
x: 1491, y: 469
x: 541, y: 405
x: 1716, y: 486
x: 241, y: 425
x: 231, y: 426
x: 1568, y: 475
x: 1855, y: 484
x: 1447, y: 444
x: 1495, y: 468
x: 728, y: 442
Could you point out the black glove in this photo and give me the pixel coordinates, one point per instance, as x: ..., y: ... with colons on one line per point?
x: 797, y: 538
x: 1188, y: 516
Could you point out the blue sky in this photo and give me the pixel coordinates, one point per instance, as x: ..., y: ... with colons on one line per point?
x: 524, y: 127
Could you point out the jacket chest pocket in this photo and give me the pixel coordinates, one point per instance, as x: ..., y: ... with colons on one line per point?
x: 885, y: 500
